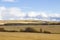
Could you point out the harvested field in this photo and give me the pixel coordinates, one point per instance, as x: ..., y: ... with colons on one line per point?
x: 28, y: 36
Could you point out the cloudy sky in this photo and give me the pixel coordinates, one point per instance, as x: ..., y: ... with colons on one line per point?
x: 48, y: 10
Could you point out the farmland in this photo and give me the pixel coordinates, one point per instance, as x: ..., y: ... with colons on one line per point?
x: 54, y: 29
x: 28, y: 36
x: 51, y: 28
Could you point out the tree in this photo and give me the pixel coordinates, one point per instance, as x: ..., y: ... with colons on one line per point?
x: 40, y: 30
x: 28, y: 29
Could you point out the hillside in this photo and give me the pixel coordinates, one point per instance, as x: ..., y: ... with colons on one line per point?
x: 27, y: 21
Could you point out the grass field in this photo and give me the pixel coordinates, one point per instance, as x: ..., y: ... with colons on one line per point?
x: 28, y: 36
x: 51, y: 28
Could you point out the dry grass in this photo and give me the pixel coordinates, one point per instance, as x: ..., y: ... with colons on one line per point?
x: 28, y: 36
x: 51, y: 28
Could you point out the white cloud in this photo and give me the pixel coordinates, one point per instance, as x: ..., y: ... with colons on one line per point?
x: 2, y: 10
x: 1, y: 17
x: 15, y: 13
x: 32, y: 14
x: 43, y: 14
x: 54, y: 15
x: 11, y: 19
x: 9, y: 0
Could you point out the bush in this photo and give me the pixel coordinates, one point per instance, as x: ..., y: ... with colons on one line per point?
x: 2, y: 30
x: 21, y: 30
x: 40, y: 30
x: 11, y: 31
x: 28, y: 29
x: 47, y: 32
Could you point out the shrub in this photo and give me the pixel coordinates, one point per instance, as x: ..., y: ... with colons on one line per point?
x: 2, y: 30
x: 11, y: 31
x: 28, y: 29
x: 40, y: 30
x: 47, y: 32
x: 21, y: 30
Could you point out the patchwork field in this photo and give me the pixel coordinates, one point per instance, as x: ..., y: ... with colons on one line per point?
x: 28, y: 36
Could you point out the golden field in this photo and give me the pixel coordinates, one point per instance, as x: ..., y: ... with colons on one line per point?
x: 54, y: 29
x: 28, y: 36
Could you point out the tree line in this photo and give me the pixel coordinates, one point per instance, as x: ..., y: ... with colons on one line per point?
x: 28, y: 29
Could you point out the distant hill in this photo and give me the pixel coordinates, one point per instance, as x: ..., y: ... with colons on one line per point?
x: 19, y: 21
x: 28, y: 21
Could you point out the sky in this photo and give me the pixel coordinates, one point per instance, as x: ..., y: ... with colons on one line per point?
x: 46, y: 10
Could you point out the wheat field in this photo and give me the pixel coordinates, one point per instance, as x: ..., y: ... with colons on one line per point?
x: 28, y: 36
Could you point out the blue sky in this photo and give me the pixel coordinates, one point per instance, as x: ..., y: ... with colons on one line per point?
x: 35, y: 5
x: 46, y: 9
